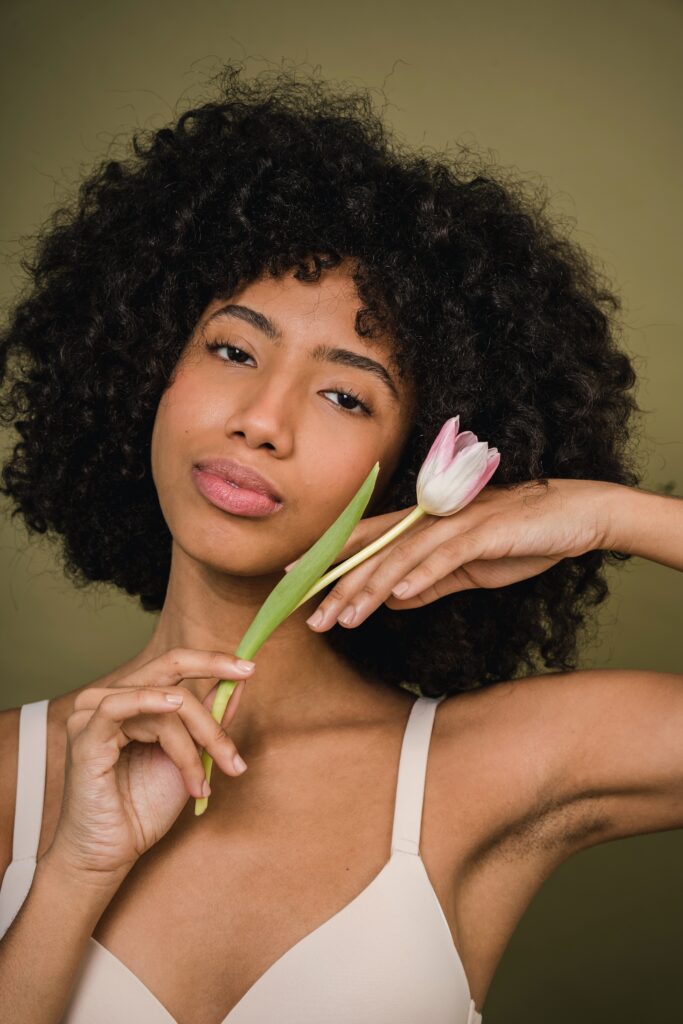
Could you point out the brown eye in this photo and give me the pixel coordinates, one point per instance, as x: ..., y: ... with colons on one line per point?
x: 364, y: 408
x: 361, y: 407
x: 214, y: 346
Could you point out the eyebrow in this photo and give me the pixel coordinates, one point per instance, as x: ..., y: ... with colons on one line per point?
x: 321, y: 353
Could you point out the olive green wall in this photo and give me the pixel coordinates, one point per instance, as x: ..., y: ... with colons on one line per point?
x: 585, y: 96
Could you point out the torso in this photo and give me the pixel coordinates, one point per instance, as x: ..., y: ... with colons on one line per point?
x: 222, y: 897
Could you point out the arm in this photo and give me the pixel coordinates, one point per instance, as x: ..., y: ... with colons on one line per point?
x: 646, y: 524
x: 42, y: 949
x: 621, y: 760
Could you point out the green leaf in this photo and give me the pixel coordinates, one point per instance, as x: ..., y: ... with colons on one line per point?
x: 285, y: 597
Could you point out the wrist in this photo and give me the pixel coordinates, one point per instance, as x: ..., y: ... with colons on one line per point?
x: 59, y: 869
x: 644, y: 523
x: 618, y: 516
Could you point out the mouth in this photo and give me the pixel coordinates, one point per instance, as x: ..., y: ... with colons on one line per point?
x: 213, y: 482
x: 238, y: 475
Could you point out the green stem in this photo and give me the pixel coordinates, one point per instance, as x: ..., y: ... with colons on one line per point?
x: 360, y: 556
x: 220, y: 703
x: 226, y: 686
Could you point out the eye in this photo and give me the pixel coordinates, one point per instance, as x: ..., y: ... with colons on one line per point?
x: 363, y: 408
x: 213, y: 346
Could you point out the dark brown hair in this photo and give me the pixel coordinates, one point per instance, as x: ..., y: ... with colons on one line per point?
x: 495, y: 314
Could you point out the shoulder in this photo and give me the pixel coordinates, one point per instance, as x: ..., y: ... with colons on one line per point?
x: 9, y: 749
x: 572, y: 758
x: 506, y: 745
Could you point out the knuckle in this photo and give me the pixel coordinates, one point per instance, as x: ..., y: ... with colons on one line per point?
x: 337, y: 593
x: 401, y: 550
x: 81, y: 699
x: 174, y: 655
x: 217, y: 659
x: 105, y: 703
x: 72, y: 724
x: 370, y: 588
x: 451, y: 549
x: 220, y: 735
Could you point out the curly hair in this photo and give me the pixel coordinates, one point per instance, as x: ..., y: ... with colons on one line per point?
x: 492, y: 311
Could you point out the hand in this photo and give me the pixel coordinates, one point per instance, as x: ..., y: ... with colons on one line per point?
x: 134, y: 759
x: 502, y: 536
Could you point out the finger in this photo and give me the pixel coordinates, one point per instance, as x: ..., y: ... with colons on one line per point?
x: 194, y: 722
x: 180, y: 663
x: 366, y: 586
x: 91, y: 727
x: 481, y: 573
x: 367, y: 530
x: 458, y: 580
x: 183, y: 737
x: 444, y: 560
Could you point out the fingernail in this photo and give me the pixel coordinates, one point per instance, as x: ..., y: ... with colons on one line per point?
x: 239, y: 764
x: 347, y: 615
x: 316, y: 618
x: 400, y: 588
x: 245, y: 666
x: 206, y: 788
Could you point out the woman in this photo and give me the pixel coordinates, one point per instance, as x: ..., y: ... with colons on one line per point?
x: 272, y: 290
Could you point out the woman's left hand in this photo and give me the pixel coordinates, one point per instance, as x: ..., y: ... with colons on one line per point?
x: 503, y: 535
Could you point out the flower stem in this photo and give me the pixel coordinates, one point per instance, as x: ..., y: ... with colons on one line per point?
x: 220, y: 702
x: 226, y: 686
x: 360, y: 556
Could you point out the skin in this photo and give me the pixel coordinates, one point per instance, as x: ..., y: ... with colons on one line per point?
x: 520, y: 776
x: 276, y: 412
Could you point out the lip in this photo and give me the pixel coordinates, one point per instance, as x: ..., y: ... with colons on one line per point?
x: 244, y: 476
x: 228, y: 496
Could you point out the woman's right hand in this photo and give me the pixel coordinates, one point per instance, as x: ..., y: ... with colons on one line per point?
x: 134, y: 758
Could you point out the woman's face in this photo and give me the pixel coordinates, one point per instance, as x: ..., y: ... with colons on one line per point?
x: 272, y: 399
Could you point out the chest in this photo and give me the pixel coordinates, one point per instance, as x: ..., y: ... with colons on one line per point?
x: 214, y: 905
x: 225, y: 898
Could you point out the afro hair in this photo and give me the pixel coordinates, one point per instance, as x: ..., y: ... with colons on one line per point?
x: 493, y: 312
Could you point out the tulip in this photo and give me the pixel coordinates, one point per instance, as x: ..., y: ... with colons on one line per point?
x: 456, y: 468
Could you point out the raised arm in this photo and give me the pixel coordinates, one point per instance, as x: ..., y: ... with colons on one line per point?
x: 610, y: 740
x: 618, y: 733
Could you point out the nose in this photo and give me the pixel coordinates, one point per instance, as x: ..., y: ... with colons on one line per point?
x: 263, y: 416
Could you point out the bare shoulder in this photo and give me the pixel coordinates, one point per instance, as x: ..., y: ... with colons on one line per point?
x: 566, y: 760
x: 9, y: 749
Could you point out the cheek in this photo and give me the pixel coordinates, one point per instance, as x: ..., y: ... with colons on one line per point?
x: 178, y: 417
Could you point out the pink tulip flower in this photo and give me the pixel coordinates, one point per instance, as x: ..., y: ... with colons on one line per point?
x: 456, y: 468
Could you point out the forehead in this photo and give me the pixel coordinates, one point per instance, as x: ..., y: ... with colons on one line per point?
x: 302, y: 305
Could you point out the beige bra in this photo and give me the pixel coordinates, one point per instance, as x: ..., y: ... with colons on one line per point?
x: 387, y: 957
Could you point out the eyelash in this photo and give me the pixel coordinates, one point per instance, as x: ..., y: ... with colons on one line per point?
x: 212, y: 346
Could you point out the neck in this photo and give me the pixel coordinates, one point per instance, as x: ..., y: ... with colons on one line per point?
x: 298, y: 682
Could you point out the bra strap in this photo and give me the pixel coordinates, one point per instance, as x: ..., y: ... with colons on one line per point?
x: 412, y: 770
x: 31, y: 765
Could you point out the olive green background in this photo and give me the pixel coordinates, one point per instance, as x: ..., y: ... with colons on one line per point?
x: 584, y: 97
